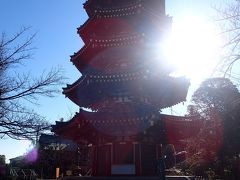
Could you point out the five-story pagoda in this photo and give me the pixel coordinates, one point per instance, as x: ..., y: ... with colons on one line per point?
x: 125, y: 82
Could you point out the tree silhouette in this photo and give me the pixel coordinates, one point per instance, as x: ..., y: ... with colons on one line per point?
x: 217, y: 102
x: 16, y: 120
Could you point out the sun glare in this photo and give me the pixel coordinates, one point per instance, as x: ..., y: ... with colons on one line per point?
x: 193, y: 48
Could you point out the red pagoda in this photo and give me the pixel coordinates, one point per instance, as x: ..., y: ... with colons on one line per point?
x: 125, y: 83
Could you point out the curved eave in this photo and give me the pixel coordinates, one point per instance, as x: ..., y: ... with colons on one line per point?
x: 114, y: 25
x: 124, y: 8
x: 76, y: 129
x: 62, y: 128
x: 106, y: 124
x: 102, y: 25
x: 92, y: 125
x: 164, y: 92
x: 180, y: 128
x: 79, y: 93
x: 92, y: 7
x: 83, y: 58
x: 88, y: 124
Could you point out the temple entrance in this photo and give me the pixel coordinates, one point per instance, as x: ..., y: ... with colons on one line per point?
x: 123, y: 159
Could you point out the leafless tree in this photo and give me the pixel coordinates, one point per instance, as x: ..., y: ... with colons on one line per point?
x: 229, y: 21
x: 16, y: 120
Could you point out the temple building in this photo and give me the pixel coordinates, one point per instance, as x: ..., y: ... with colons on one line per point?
x: 125, y: 83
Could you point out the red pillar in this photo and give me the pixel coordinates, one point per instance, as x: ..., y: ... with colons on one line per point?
x: 137, y: 157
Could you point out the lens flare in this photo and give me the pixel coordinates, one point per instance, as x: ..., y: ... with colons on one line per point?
x: 32, y: 155
x: 193, y: 47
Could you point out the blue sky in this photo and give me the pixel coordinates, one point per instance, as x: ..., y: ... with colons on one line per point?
x: 55, y: 22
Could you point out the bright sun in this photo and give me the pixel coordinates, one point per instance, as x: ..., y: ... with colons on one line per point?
x: 193, y: 48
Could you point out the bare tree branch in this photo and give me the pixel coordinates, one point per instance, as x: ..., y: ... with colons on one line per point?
x: 229, y: 21
x: 16, y: 120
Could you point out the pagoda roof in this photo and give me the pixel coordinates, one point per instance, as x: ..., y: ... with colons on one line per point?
x: 103, y: 28
x: 97, y: 48
x: 181, y: 127
x: 87, y: 125
x: 159, y: 91
x: 113, y: 24
x: 122, y: 8
x: 120, y: 57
